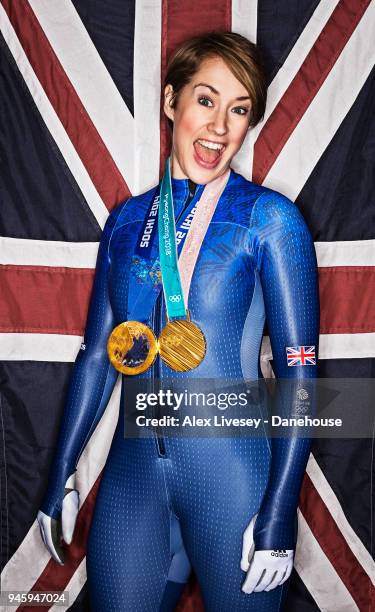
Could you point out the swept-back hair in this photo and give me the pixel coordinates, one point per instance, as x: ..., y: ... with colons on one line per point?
x: 240, y: 55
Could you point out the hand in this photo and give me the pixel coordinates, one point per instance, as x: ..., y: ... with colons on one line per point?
x: 266, y: 569
x: 52, y: 530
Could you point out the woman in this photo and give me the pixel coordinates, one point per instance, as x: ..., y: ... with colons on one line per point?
x: 166, y: 502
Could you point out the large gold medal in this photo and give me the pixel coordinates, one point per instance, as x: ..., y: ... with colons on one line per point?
x: 132, y: 347
x: 182, y: 345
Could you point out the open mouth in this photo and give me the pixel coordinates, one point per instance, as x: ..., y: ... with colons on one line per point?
x: 208, y: 153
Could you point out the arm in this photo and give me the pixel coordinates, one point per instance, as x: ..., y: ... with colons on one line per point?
x: 91, y: 384
x: 288, y: 273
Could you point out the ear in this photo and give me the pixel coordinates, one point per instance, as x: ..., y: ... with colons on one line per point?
x: 168, y: 96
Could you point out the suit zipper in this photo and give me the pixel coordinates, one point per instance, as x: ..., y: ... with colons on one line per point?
x: 156, y: 321
x: 156, y: 371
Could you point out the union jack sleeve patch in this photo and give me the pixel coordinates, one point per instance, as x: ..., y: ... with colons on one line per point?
x: 300, y: 355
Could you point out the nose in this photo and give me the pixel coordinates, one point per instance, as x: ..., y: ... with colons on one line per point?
x: 218, y: 124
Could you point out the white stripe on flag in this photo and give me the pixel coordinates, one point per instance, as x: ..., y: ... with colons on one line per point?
x: 91, y: 80
x: 334, y: 507
x: 25, y: 252
x: 245, y: 22
x: 52, y: 122
x: 346, y: 346
x: 147, y: 69
x: 27, y: 563
x: 54, y: 253
x: 296, y: 57
x: 39, y: 347
x: 345, y: 253
x: 64, y: 348
x: 243, y: 161
x: 74, y: 586
x: 326, y: 112
x: 245, y: 18
x: 319, y: 575
x: 19, y: 574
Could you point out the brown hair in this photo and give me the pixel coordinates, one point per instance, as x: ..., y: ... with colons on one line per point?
x: 241, y: 56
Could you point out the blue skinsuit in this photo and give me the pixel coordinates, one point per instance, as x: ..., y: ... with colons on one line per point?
x: 161, y: 499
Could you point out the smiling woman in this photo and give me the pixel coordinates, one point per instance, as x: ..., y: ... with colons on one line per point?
x: 214, y: 91
x: 211, y: 118
x: 239, y: 54
x: 186, y: 276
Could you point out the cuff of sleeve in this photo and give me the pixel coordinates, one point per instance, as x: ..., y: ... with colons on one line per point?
x: 54, y: 495
x: 272, y: 533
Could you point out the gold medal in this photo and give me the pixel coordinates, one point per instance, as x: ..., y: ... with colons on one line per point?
x: 182, y: 345
x: 132, y: 347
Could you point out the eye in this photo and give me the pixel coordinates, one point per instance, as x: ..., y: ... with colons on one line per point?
x: 240, y: 110
x: 204, y: 101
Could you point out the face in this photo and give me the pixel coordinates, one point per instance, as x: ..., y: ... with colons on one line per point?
x: 210, y: 122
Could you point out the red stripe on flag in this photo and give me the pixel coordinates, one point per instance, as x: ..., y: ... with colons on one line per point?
x: 305, y: 85
x: 347, y: 298
x: 181, y: 21
x: 90, y: 147
x: 38, y: 299
x: 55, y: 577
x: 42, y: 299
x: 334, y: 545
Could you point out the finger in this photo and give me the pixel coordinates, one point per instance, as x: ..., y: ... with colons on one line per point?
x: 53, y: 537
x: 275, y: 581
x: 267, y: 577
x: 248, y: 545
x: 244, y: 563
x: 287, y: 573
x: 254, y: 575
x: 50, y: 530
x: 42, y: 533
x: 247, y: 555
x: 69, y: 514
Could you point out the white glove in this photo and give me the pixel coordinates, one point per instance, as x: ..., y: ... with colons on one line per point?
x: 266, y: 569
x: 52, y: 530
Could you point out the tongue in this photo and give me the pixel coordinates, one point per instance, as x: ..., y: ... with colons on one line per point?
x: 207, y: 155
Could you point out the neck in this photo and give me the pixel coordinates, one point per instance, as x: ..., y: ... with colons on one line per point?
x: 176, y: 171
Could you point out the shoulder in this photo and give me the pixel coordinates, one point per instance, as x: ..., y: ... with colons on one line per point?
x: 274, y: 214
x: 258, y: 199
x: 242, y: 192
x: 131, y: 209
x: 237, y: 200
x: 261, y: 207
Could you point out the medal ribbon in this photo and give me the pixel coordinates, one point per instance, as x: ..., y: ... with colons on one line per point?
x: 174, y: 297
x: 132, y: 346
x: 147, y: 272
x: 176, y: 288
x: 176, y: 285
x: 194, y: 239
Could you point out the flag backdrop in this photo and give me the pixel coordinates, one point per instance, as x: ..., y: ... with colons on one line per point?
x: 81, y: 129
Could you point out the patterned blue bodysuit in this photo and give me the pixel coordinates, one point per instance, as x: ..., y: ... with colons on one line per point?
x: 165, y: 502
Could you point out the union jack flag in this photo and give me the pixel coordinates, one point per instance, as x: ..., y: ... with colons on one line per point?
x: 80, y: 131
x: 300, y: 355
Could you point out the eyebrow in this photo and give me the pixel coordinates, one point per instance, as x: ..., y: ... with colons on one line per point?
x: 215, y: 91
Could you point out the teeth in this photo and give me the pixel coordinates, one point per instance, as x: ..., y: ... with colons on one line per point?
x: 211, y: 145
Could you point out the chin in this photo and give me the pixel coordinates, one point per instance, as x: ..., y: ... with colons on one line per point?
x: 202, y: 176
